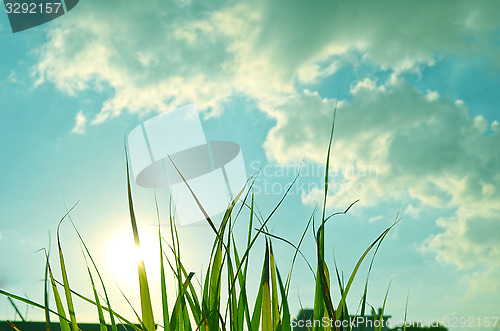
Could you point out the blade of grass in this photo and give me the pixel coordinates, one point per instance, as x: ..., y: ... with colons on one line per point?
x: 67, y: 292
x: 267, y: 319
x: 297, y: 250
x: 215, y: 288
x: 123, y: 319
x: 324, y: 281
x: 191, y: 294
x: 356, y: 268
x: 285, y: 326
x: 102, y: 322
x: 365, y: 292
x: 46, y: 294
x: 163, y: 282
x: 344, y: 310
x: 254, y: 239
x: 381, y: 319
x: 205, y: 214
x: 243, y: 307
x: 16, y: 309
x: 141, y: 323
x: 13, y: 326
x: 257, y: 310
x: 111, y: 316
x: 177, y: 312
x: 146, y: 306
x: 274, y: 289
x: 232, y: 298
x: 30, y: 302
x: 320, y: 296
x: 303, y: 312
x: 406, y: 310
x: 57, y: 298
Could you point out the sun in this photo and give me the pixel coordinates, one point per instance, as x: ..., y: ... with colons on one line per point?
x: 124, y: 257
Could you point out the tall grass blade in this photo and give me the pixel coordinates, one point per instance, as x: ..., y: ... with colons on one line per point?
x: 322, y: 278
x: 146, y: 306
x: 16, y: 309
x: 285, y: 326
x: 381, y: 319
x: 263, y: 225
x: 257, y: 310
x: 141, y: 323
x: 243, y: 312
x: 177, y: 310
x: 13, y: 326
x: 109, y: 309
x: 344, y: 311
x: 63, y: 321
x: 267, y: 319
x: 215, y: 288
x: 46, y: 296
x: 365, y: 292
x: 297, y: 250
x: 406, y: 311
x: 205, y: 214
x: 30, y: 302
x: 102, y: 322
x: 191, y: 295
x: 120, y: 317
x: 67, y: 292
x: 163, y: 281
x: 232, y: 298
x: 356, y: 268
x: 274, y: 289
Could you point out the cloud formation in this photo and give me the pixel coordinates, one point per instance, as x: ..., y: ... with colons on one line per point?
x: 162, y: 54
x: 425, y: 147
x: 425, y: 150
x: 80, y: 123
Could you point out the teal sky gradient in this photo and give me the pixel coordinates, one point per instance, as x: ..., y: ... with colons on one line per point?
x: 418, y: 99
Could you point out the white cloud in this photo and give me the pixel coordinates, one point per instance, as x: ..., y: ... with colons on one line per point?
x: 165, y: 54
x: 468, y: 240
x: 366, y: 84
x: 431, y: 154
x: 313, y: 73
x: 412, y: 211
x: 480, y: 123
x: 432, y: 95
x: 495, y: 127
x: 13, y: 77
x: 375, y: 219
x: 483, y: 282
x: 80, y: 123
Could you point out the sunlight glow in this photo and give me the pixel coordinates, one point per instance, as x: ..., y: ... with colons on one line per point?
x: 124, y: 257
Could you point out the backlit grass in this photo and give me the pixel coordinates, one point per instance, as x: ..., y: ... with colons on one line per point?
x: 205, y: 309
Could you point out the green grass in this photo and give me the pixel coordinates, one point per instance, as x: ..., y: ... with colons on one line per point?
x: 205, y: 310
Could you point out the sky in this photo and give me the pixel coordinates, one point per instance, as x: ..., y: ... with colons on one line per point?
x: 417, y: 135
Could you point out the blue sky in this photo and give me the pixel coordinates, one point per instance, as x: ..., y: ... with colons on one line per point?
x: 417, y: 87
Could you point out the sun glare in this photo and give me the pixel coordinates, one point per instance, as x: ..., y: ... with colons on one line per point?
x: 124, y: 257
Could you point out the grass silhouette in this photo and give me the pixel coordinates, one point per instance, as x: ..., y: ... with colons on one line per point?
x: 205, y: 310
